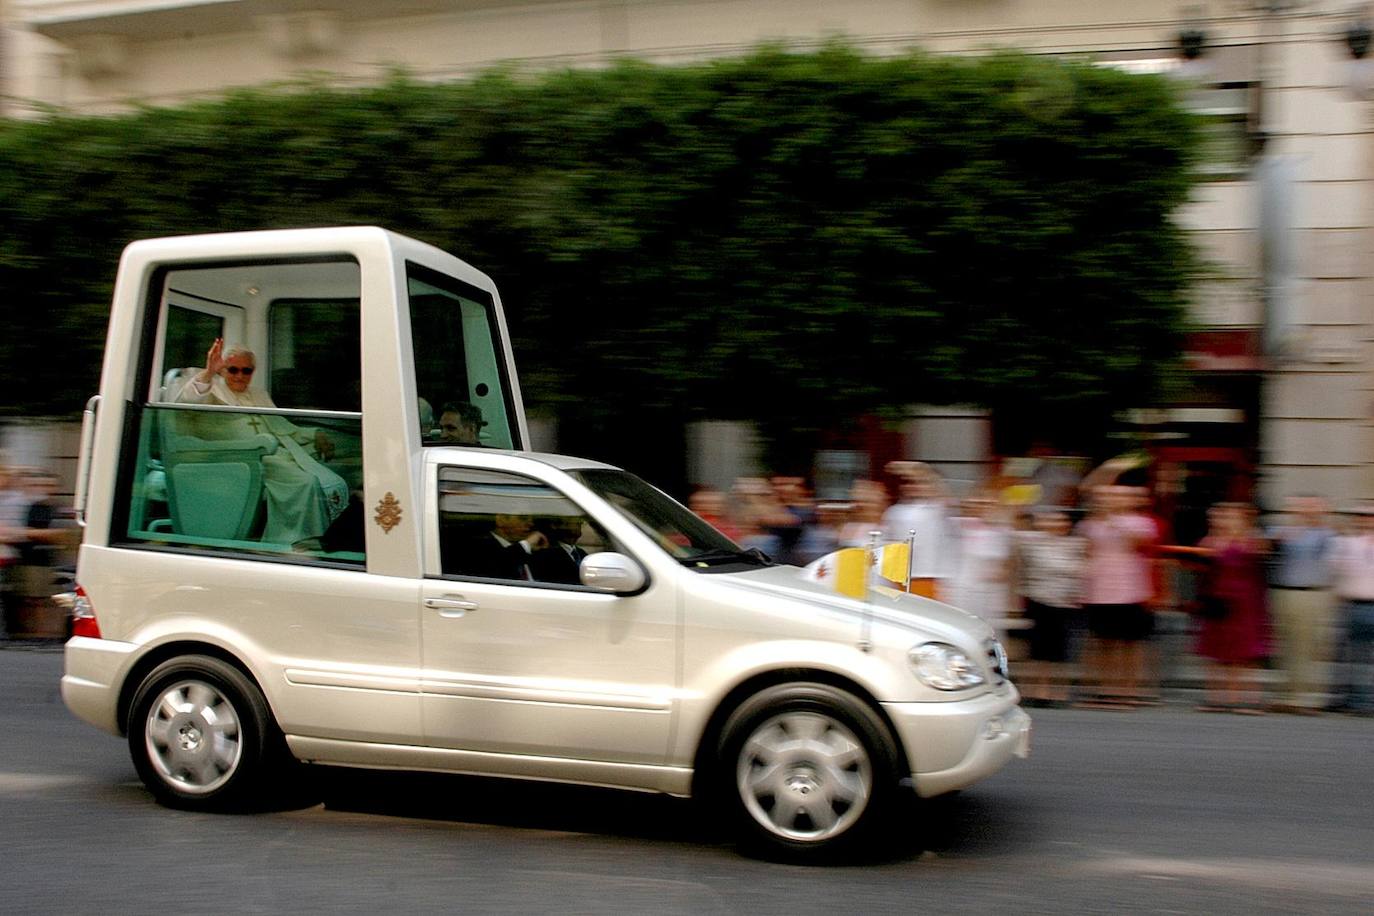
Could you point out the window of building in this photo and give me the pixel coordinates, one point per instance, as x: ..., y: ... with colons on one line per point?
x: 1221, y: 89
x: 1228, y: 116
x: 249, y: 439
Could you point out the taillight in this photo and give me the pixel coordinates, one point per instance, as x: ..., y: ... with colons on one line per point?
x: 82, y: 613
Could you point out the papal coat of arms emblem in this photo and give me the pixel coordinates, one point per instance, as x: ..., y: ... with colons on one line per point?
x: 388, y: 512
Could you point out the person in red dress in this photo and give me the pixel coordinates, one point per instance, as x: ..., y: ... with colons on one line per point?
x: 1234, y: 633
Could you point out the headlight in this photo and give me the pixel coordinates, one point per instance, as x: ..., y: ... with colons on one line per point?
x: 944, y: 667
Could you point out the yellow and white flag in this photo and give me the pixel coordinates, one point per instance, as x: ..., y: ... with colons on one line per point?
x: 894, y: 562
x: 848, y: 571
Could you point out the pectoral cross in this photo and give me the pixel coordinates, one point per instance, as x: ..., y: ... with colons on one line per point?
x: 255, y: 421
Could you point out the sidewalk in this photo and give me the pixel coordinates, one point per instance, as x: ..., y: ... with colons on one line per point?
x: 53, y: 646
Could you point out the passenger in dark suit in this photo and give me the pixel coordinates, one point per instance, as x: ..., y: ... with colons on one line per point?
x: 504, y: 552
x: 561, y: 561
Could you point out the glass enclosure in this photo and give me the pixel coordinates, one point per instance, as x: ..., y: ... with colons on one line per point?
x: 189, y: 327
x: 249, y: 440
x: 312, y: 342
x: 460, y: 376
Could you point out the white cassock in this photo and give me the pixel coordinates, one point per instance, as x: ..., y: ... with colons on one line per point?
x: 303, y: 496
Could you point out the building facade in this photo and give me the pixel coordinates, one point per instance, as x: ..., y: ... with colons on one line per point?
x: 1283, y: 361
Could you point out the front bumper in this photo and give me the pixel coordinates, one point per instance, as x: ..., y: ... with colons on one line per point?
x: 953, y: 745
x: 94, y: 672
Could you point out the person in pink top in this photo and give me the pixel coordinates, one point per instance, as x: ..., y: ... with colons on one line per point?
x: 1118, y: 588
x: 1354, y: 562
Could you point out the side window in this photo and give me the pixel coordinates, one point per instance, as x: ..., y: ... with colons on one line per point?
x: 250, y: 439
x: 189, y: 325
x: 460, y: 373
x: 309, y: 340
x: 494, y: 525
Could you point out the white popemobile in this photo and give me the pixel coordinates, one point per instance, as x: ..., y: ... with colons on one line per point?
x: 471, y: 608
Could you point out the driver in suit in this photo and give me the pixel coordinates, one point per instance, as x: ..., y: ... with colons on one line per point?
x: 562, y: 561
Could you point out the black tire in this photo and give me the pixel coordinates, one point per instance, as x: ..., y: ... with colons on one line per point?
x: 806, y: 772
x: 202, y: 738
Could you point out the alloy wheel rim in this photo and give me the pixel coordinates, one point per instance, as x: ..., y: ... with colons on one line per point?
x: 193, y: 737
x: 804, y: 776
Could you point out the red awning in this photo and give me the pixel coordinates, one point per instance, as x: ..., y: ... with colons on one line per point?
x: 1232, y: 350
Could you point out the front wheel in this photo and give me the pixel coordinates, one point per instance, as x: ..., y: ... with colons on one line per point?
x: 200, y: 735
x: 806, y: 770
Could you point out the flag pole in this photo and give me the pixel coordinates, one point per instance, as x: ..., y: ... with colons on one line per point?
x: 910, y: 558
x: 866, y: 632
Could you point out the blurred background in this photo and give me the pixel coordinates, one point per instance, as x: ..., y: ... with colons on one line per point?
x: 766, y: 237
x: 818, y: 267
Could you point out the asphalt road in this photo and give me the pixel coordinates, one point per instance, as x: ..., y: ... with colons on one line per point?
x: 1165, y: 811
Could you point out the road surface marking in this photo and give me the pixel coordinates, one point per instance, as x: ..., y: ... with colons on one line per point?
x: 21, y: 783
x: 1331, y: 878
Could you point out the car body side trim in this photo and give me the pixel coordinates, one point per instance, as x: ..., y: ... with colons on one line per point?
x: 309, y: 677
x: 669, y: 780
x: 518, y: 693
x: 522, y: 692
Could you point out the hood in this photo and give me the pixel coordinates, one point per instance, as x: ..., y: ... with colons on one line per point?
x: 910, y: 612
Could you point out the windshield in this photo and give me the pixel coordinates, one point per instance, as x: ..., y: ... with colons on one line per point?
x: 672, y: 525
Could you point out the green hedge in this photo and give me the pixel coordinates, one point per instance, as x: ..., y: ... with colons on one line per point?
x: 787, y: 237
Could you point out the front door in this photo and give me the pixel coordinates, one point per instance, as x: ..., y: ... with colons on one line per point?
x: 518, y: 658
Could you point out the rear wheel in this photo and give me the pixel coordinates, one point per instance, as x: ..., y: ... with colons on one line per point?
x: 200, y: 735
x: 806, y: 770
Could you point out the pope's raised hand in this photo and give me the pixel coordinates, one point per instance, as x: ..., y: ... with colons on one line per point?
x: 214, y: 359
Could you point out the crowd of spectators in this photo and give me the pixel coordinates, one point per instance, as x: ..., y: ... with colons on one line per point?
x: 1280, y: 616
x: 32, y: 533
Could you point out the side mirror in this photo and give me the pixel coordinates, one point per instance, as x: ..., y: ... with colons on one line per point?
x: 612, y: 572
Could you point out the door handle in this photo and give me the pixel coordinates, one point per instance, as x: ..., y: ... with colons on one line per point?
x: 451, y: 607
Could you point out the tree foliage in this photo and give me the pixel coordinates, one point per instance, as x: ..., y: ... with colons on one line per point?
x: 786, y: 237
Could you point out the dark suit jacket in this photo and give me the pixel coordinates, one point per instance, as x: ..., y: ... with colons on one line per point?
x: 554, y: 564
x: 485, y: 556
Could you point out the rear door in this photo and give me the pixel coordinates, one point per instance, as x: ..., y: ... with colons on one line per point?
x: 236, y: 515
x: 285, y: 528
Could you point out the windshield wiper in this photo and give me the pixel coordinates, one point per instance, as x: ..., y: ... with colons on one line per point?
x: 711, y: 557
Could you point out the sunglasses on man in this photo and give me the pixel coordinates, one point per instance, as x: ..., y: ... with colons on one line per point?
x: 235, y: 370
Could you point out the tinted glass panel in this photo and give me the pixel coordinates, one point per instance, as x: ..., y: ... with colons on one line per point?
x: 460, y: 374
x: 247, y: 482
x: 685, y: 536
x: 188, y: 333
x: 250, y: 441
x: 494, y: 525
x: 313, y: 345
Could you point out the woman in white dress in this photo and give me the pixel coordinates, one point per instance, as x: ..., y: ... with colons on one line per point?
x: 980, y: 583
